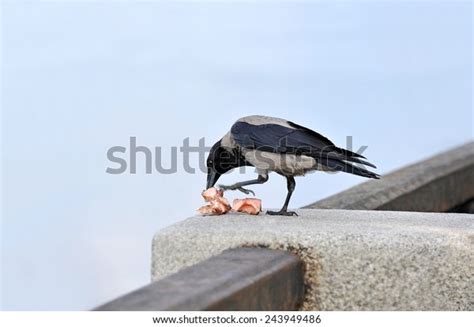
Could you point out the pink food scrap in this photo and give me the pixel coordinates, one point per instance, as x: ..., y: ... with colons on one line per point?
x: 218, y: 205
x: 250, y: 206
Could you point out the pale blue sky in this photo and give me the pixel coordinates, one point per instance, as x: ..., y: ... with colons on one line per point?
x: 79, y: 78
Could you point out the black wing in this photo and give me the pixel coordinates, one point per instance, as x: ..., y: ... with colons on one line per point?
x: 298, y: 140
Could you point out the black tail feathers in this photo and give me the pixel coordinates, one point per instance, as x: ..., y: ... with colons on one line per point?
x: 346, y: 167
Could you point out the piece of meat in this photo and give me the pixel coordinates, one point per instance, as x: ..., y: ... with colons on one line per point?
x: 250, y: 206
x: 218, y: 205
x: 215, y: 208
x: 212, y: 194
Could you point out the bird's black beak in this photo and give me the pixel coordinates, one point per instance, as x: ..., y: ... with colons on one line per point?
x: 212, y: 177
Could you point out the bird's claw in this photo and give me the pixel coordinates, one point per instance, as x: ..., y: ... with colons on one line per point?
x: 233, y: 188
x: 246, y: 191
x: 226, y: 187
x: 282, y: 213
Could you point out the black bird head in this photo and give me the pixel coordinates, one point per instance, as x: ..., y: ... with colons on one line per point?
x: 220, y: 161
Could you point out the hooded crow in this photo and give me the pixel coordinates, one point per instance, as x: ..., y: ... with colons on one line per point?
x: 275, y: 144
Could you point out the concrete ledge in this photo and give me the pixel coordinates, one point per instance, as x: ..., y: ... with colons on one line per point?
x: 243, y: 279
x: 437, y: 184
x: 354, y: 260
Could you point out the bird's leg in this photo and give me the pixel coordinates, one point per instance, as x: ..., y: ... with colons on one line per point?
x: 291, y: 184
x: 239, y: 186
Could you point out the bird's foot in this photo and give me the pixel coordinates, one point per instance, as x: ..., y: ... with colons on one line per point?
x: 281, y: 213
x: 245, y: 190
x: 236, y: 187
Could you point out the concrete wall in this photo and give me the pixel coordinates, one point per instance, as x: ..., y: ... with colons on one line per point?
x: 379, y: 259
x: 355, y: 260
